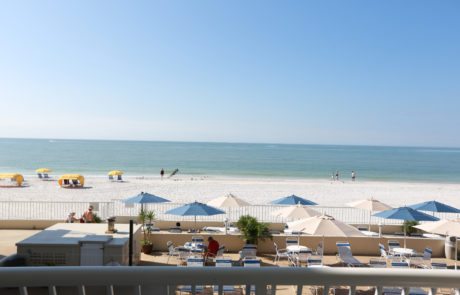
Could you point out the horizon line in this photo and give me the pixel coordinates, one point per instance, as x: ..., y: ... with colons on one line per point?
x: 231, y: 142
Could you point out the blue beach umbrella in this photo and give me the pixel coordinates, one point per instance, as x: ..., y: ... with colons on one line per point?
x: 293, y: 200
x: 195, y: 209
x: 145, y: 198
x: 407, y: 214
x: 435, y: 206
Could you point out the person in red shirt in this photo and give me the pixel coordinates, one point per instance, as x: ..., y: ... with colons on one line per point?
x: 213, y: 247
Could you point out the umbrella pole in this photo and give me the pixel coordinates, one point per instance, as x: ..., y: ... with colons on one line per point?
x: 456, y: 253
x: 324, y: 248
x: 195, y: 222
x: 370, y: 216
x: 404, y: 236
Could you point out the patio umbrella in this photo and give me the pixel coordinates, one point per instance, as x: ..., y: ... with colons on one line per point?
x: 324, y: 225
x: 293, y: 200
x: 195, y: 209
x: 443, y: 227
x: 435, y: 206
x: 228, y: 201
x: 370, y: 205
x: 296, y: 212
x: 406, y: 214
x: 145, y: 198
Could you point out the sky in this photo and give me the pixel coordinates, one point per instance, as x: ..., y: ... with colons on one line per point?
x: 314, y: 72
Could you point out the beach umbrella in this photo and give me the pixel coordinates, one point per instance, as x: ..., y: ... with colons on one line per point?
x: 293, y: 200
x: 43, y: 170
x: 228, y: 201
x: 406, y: 214
x: 145, y: 198
x: 296, y: 212
x: 115, y: 173
x: 371, y: 205
x: 324, y: 225
x: 195, y: 209
x: 434, y: 206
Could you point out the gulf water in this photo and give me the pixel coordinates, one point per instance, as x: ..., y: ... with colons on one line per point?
x: 91, y: 157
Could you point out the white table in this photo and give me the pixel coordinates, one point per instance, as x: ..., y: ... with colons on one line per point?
x: 296, y: 248
x: 403, y: 251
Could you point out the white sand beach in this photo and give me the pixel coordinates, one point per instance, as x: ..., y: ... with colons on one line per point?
x: 255, y: 190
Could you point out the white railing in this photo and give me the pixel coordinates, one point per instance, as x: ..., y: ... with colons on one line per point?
x: 164, y: 280
x: 51, y: 210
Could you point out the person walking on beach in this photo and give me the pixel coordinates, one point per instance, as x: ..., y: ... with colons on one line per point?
x: 162, y: 173
x: 353, y: 175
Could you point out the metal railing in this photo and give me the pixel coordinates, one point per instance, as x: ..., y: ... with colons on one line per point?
x: 52, y: 210
x: 264, y: 280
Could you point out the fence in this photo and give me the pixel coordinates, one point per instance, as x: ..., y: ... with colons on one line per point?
x: 264, y: 280
x: 47, y: 210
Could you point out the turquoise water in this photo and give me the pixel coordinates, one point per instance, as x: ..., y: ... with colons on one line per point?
x: 228, y: 159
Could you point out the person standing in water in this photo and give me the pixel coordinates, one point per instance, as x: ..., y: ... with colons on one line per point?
x: 337, y: 175
x: 162, y: 173
x: 353, y: 175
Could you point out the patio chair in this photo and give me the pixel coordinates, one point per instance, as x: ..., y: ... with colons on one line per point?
x: 280, y: 253
x: 384, y: 254
x: 422, y: 260
x: 291, y: 242
x: 302, y: 257
x: 314, y: 261
x: 319, y: 249
x: 184, y: 254
x: 197, y: 240
x: 345, y: 255
x: 172, y: 251
x: 393, y: 244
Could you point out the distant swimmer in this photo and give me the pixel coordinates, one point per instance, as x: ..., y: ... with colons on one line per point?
x: 353, y: 175
x: 162, y: 173
x: 337, y: 175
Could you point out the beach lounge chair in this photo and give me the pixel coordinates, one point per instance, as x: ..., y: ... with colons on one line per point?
x: 193, y: 261
x: 248, y: 250
x: 422, y: 260
x: 345, y: 255
x: 251, y: 262
x: 224, y: 262
x: 197, y: 240
x: 314, y: 261
x: 398, y: 290
x: 377, y: 263
x: 280, y: 253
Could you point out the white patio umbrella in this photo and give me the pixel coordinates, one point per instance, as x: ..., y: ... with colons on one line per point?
x: 324, y: 225
x: 296, y: 212
x: 371, y: 205
x: 443, y: 227
x: 228, y: 201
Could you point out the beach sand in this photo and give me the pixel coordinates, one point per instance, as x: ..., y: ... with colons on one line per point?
x: 255, y: 190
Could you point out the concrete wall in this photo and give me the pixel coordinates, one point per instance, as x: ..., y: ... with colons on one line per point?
x: 360, y: 245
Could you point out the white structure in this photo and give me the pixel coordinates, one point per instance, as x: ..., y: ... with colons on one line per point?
x: 85, y: 244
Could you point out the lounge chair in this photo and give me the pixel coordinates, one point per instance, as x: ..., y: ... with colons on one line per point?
x: 248, y: 250
x: 377, y: 263
x: 224, y: 262
x: 302, y: 257
x: 345, y: 255
x: 193, y: 261
x: 422, y: 260
x: 393, y: 244
x: 315, y: 261
x: 291, y: 242
x: 398, y: 290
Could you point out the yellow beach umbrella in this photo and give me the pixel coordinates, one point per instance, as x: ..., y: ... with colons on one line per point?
x: 18, y: 178
x: 115, y: 173
x: 43, y: 170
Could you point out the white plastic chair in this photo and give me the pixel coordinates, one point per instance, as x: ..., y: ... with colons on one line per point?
x: 302, y: 257
x: 172, y: 251
x: 393, y: 244
x: 291, y: 242
x: 280, y: 253
x: 423, y: 261
x: 248, y: 250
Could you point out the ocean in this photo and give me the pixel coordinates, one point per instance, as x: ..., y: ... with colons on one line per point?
x: 135, y: 158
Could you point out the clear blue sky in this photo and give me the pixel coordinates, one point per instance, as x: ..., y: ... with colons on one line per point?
x: 332, y: 72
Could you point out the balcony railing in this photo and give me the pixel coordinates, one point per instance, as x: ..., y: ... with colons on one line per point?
x: 264, y: 280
